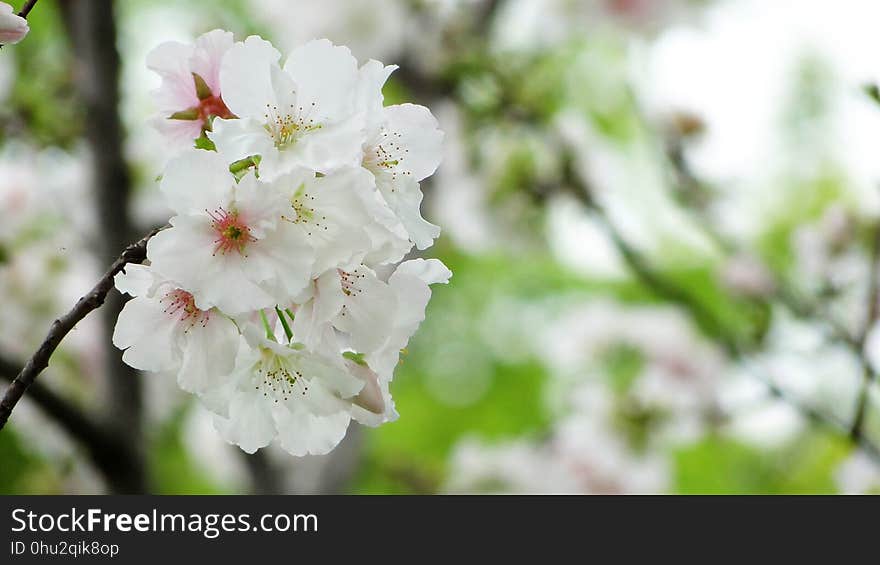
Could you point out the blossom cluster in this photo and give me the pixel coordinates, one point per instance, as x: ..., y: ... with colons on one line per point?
x: 279, y: 295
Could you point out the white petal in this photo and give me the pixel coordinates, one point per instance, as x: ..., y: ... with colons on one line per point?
x: 337, y: 229
x: 410, y: 283
x: 373, y: 75
x: 404, y: 197
x: 245, y: 77
x: 238, y: 139
x: 147, y: 335
x: 431, y: 271
x: 260, y: 207
x: 208, y: 354
x: 303, y: 433
x: 135, y: 280
x: 325, y: 74
x: 369, y: 311
x: 197, y: 181
x: 290, y: 259
x: 334, y: 146
x: 419, y: 134
x: 250, y: 424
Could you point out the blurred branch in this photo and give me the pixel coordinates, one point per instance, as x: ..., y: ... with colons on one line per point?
x: 91, y: 26
x: 690, y: 184
x: 669, y: 290
x: 134, y: 253
x: 693, y: 187
x: 868, y: 375
x: 110, y: 455
x: 26, y: 9
x: 264, y: 474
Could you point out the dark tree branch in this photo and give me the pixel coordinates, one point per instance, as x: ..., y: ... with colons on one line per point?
x: 26, y: 9
x: 134, y: 253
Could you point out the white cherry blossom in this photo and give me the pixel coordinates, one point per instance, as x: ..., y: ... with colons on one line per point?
x: 269, y: 296
x: 302, y: 115
x: 161, y: 329
x: 283, y: 391
x: 229, y: 243
x: 189, y: 97
x: 402, y: 151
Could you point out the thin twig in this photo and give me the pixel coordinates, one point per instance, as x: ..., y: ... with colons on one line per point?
x: 669, y: 290
x: 690, y: 184
x: 26, y: 9
x: 134, y: 253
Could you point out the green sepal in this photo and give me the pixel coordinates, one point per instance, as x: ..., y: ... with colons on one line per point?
x: 202, y: 89
x: 356, y: 357
x: 284, y: 324
x: 203, y: 142
x: 188, y: 114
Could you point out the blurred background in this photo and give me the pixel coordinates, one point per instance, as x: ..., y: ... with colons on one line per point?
x: 662, y: 217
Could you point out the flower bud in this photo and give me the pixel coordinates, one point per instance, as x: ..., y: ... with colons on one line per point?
x: 13, y: 27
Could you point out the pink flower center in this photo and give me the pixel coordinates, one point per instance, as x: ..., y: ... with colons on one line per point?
x: 213, y: 106
x: 232, y: 232
x: 181, y: 305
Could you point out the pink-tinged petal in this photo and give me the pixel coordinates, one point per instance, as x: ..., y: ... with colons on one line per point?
x: 179, y: 133
x: 208, y: 55
x: 13, y: 28
x: 170, y: 60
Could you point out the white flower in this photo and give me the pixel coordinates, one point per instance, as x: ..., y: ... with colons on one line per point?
x: 284, y: 391
x: 304, y: 115
x: 13, y: 28
x: 403, y: 150
x: 189, y: 96
x: 331, y: 213
x: 161, y: 329
x: 355, y: 302
x: 294, y: 223
x: 228, y: 244
x: 377, y: 317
